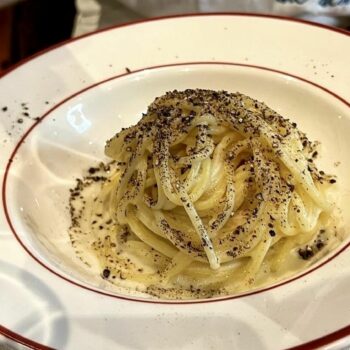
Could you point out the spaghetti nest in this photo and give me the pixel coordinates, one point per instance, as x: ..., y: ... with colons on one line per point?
x: 210, y: 193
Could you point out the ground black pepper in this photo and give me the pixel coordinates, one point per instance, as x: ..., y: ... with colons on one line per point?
x: 306, y: 253
x: 264, y: 182
x: 106, y: 272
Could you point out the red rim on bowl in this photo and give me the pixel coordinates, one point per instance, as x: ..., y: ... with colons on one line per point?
x: 14, y: 336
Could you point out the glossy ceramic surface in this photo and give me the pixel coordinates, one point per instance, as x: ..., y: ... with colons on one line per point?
x: 83, y: 94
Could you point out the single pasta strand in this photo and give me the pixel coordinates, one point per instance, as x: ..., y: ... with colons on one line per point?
x: 201, y: 230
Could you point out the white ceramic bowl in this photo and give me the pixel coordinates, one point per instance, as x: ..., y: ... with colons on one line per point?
x: 84, y: 94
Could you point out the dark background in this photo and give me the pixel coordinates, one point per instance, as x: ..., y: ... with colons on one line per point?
x: 29, y: 26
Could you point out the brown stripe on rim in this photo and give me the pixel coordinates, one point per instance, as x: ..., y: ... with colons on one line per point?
x: 153, y: 19
x: 325, y: 340
x: 22, y: 340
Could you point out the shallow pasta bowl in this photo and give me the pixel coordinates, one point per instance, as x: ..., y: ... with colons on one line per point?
x: 58, y: 109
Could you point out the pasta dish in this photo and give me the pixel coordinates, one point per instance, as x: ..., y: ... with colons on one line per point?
x: 211, y: 193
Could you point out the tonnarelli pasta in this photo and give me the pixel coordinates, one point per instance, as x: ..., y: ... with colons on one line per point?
x: 210, y: 193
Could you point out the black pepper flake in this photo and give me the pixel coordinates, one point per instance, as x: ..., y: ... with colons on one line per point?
x: 291, y: 187
x: 306, y: 253
x: 127, y: 70
x: 106, y: 273
x: 4, y: 109
x: 19, y: 120
x: 319, y: 244
x: 272, y: 233
x: 26, y: 114
x: 332, y: 181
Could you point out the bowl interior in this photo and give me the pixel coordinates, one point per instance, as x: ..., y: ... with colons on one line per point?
x: 72, y: 137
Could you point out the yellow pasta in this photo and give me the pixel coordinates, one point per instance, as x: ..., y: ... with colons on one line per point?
x: 210, y: 193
